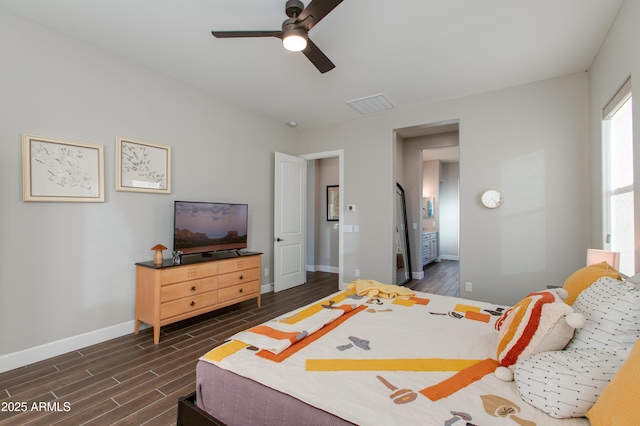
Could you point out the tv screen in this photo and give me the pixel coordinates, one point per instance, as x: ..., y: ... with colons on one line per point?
x: 205, y: 227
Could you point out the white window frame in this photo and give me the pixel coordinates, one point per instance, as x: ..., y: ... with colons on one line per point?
x: 621, y: 96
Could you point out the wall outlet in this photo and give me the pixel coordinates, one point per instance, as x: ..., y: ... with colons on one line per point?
x: 468, y: 286
x: 266, y: 272
x: 357, y: 274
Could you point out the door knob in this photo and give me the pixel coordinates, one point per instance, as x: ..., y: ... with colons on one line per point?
x: 279, y: 239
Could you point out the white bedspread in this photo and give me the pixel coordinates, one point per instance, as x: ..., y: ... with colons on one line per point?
x: 422, y: 360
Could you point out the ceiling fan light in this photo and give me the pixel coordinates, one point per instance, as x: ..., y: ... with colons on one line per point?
x: 295, y: 40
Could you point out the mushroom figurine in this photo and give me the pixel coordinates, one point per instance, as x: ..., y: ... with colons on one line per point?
x: 157, y: 259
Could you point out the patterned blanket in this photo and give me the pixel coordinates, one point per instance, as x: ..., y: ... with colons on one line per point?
x: 417, y: 359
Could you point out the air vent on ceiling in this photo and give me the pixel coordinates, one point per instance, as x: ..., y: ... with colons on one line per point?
x: 375, y: 103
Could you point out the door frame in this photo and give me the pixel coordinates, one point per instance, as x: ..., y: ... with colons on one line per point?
x: 340, y: 154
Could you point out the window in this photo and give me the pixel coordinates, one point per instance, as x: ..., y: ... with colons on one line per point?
x: 619, y: 188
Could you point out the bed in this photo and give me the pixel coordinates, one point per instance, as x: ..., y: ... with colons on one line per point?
x: 392, y: 358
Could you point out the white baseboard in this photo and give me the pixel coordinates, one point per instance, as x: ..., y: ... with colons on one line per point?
x: 417, y: 275
x: 449, y: 257
x: 323, y: 268
x: 59, y: 347
x: 73, y: 343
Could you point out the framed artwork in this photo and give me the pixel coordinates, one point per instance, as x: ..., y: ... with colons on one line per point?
x: 333, y: 202
x: 142, y: 166
x: 61, y: 170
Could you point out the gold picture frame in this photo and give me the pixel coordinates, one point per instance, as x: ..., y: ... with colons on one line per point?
x: 57, y: 170
x: 142, y: 166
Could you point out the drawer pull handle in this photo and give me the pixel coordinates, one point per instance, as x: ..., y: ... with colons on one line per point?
x: 241, y: 277
x: 193, y: 288
x: 193, y: 303
x: 240, y: 290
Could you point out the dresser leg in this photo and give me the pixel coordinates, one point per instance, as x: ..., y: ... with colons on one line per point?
x: 156, y: 335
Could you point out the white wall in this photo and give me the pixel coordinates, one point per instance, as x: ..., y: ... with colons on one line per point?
x: 68, y: 268
x: 531, y: 141
x: 618, y: 58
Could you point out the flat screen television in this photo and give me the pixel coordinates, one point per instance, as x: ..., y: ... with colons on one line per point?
x: 201, y: 227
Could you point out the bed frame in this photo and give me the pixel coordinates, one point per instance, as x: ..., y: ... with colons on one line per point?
x: 190, y: 415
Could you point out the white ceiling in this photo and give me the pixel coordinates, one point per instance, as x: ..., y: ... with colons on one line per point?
x: 413, y: 51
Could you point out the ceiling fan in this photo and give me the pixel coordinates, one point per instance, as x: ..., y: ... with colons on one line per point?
x: 295, y: 29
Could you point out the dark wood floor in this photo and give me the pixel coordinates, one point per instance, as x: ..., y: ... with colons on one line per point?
x: 131, y: 381
x: 440, y: 278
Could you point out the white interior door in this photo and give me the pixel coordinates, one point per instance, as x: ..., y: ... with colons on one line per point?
x: 289, y: 222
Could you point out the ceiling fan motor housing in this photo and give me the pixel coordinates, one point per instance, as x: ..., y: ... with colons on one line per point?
x: 293, y: 8
x: 289, y: 24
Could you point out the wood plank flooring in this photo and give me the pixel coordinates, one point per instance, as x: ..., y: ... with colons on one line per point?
x: 440, y: 278
x: 131, y: 381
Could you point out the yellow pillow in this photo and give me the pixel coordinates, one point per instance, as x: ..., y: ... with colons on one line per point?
x: 586, y: 276
x: 618, y: 403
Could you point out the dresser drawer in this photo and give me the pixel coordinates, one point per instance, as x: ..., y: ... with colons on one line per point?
x: 169, y: 293
x: 188, y: 272
x: 247, y: 289
x: 188, y: 288
x: 232, y: 265
x: 188, y: 304
x: 238, y: 277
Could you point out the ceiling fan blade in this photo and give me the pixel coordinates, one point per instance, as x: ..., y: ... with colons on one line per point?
x: 315, y: 11
x: 317, y: 58
x: 237, y: 34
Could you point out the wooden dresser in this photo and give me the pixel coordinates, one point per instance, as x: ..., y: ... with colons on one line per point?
x: 169, y: 293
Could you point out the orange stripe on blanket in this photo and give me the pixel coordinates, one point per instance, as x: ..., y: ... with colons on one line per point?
x: 460, y: 380
x: 478, y: 316
x: 276, y: 334
x: 399, y: 364
x: 221, y: 352
x: 315, y: 308
x: 308, y: 340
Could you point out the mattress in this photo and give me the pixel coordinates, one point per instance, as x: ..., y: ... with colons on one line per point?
x: 421, y: 359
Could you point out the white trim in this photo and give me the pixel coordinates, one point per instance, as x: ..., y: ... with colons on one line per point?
x: 622, y: 95
x: 48, y: 350
x: 449, y: 257
x: 323, y: 268
x: 417, y: 275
